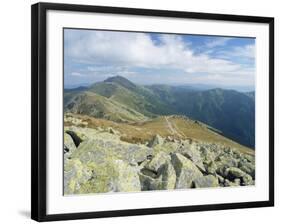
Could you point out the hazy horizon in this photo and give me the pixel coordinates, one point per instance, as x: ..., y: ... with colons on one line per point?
x: 195, y: 85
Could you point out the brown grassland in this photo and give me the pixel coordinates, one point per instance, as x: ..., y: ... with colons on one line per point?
x: 176, y: 127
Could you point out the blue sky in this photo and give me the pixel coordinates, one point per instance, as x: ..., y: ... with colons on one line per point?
x: 152, y: 58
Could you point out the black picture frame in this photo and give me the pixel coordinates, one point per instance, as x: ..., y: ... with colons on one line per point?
x: 39, y: 122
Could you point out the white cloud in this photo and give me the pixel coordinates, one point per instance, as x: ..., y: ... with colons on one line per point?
x: 77, y: 74
x: 108, y: 51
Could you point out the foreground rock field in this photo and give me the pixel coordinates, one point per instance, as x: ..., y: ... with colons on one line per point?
x: 97, y: 161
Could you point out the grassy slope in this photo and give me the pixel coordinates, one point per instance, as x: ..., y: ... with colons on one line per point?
x: 177, y: 127
x: 139, y: 98
x: 92, y: 104
x: 230, y: 111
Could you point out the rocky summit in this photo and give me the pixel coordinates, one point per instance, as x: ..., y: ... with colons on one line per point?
x: 99, y: 160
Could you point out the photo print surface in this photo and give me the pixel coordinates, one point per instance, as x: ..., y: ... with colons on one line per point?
x: 157, y: 111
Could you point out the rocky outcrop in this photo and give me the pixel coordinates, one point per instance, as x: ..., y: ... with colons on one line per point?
x: 247, y: 167
x: 206, y: 181
x: 157, y: 140
x: 96, y: 177
x: 186, y: 171
x: 101, y: 163
x: 158, y: 174
x: 190, y: 152
x: 234, y: 173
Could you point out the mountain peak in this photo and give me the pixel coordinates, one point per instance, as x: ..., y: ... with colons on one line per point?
x: 121, y: 81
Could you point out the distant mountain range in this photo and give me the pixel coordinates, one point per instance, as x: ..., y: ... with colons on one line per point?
x: 120, y: 100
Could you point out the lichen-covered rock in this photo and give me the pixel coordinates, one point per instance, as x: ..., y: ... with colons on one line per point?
x: 248, y: 168
x: 75, y: 175
x: 220, y: 179
x: 158, y: 174
x: 228, y: 183
x: 237, y: 155
x: 226, y: 161
x: 165, y: 179
x: 234, y: 172
x: 168, y: 176
x: 186, y: 171
x: 210, y: 167
x: 97, y: 149
x: 102, y: 163
x: 247, y: 180
x: 127, y: 179
x: 107, y: 165
x: 149, y: 183
x: 158, y: 160
x: 207, y: 154
x: 82, y: 133
x: 109, y: 176
x: 249, y: 158
x: 157, y: 140
x: 191, y: 152
x: 206, y: 181
x: 223, y: 163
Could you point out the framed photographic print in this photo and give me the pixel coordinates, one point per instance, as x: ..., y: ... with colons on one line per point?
x: 139, y: 111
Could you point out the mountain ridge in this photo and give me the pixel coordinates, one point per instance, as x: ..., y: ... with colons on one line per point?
x: 230, y: 111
